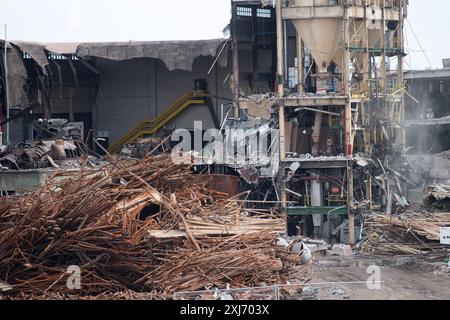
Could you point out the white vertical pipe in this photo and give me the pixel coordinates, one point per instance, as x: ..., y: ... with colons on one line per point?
x: 299, y: 64
x: 285, y: 40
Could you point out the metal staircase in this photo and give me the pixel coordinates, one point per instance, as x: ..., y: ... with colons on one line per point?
x: 148, y: 128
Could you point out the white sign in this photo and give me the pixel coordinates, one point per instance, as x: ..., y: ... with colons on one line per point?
x: 445, y: 236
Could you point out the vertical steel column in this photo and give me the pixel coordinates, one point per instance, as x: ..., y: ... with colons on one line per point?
x: 255, y: 58
x: 348, y: 128
x: 384, y: 82
x: 6, y: 85
x: 235, y: 49
x: 280, y: 89
x: 346, y: 83
x: 401, y: 80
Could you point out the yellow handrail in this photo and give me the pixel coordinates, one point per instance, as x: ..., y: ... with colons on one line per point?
x: 151, y: 127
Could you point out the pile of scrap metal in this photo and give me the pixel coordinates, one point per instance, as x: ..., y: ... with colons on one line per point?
x: 42, y: 154
x: 138, y: 229
x: 251, y: 147
x: 438, y: 197
x: 394, y: 178
x: 143, y: 147
x: 57, y: 141
x: 57, y: 129
x: 410, y: 233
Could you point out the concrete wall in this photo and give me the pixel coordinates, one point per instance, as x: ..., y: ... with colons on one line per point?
x: 141, y: 89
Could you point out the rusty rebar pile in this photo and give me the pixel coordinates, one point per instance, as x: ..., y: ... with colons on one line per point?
x: 193, y: 238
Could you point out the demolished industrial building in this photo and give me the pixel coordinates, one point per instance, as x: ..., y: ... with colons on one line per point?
x: 314, y: 143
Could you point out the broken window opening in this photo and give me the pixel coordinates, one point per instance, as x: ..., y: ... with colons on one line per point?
x: 244, y: 11
x: 263, y: 13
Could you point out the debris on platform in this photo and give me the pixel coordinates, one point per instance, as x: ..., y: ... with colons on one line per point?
x: 138, y: 226
x: 341, y: 250
x: 259, y: 106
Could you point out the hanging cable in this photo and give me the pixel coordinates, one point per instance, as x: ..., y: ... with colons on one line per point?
x: 420, y: 45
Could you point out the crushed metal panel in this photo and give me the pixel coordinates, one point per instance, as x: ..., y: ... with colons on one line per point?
x: 446, y: 63
x: 35, y: 50
x: 17, y: 79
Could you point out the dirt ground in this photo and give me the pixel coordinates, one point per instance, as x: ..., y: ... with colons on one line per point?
x: 402, y: 278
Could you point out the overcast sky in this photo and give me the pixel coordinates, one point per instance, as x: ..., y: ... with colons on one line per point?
x: 123, y: 20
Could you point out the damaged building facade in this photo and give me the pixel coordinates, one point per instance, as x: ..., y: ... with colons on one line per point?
x: 428, y: 127
x: 337, y: 102
x: 327, y: 75
x: 112, y: 87
x: 103, y: 95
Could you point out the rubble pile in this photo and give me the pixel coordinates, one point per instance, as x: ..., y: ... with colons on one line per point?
x: 439, y: 197
x: 445, y: 155
x: 137, y: 229
x: 142, y: 147
x: 410, y: 233
x: 58, y: 144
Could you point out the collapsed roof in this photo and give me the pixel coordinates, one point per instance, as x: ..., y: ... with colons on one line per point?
x: 177, y: 55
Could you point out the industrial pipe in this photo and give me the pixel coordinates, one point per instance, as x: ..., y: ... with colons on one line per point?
x: 300, y: 89
x: 316, y: 133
